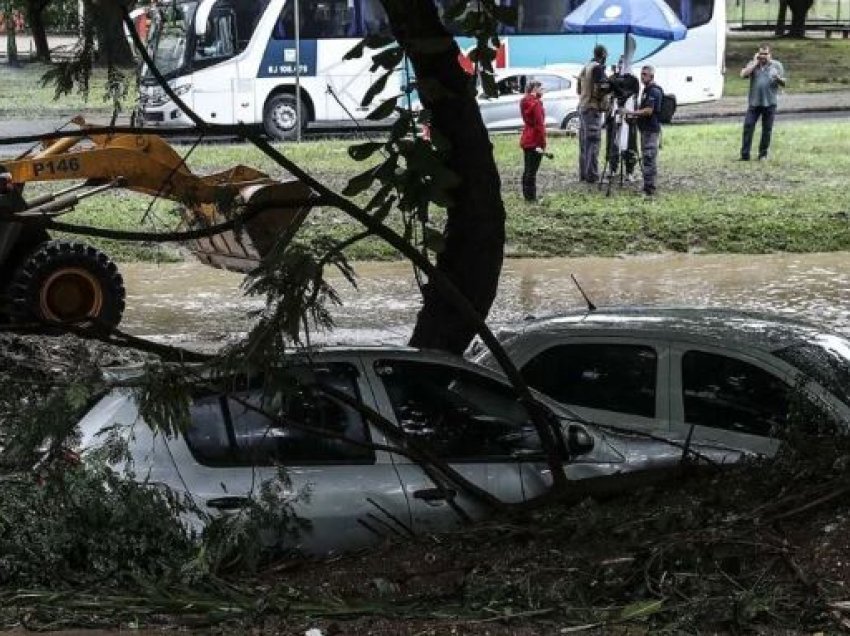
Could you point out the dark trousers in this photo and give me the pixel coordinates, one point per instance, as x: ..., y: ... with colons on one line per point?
x: 529, y: 174
x: 767, y: 113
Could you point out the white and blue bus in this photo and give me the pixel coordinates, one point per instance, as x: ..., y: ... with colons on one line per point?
x: 238, y: 61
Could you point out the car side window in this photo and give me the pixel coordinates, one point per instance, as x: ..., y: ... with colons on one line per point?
x: 727, y: 393
x: 240, y: 430
x: 513, y: 85
x: 552, y: 83
x: 460, y: 415
x: 610, y: 377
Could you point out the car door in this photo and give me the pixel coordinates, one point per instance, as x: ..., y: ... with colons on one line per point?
x: 349, y: 493
x: 727, y: 401
x: 469, y: 420
x: 503, y: 112
x: 616, y: 382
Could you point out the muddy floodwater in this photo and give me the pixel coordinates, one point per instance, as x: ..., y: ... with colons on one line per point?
x: 193, y: 304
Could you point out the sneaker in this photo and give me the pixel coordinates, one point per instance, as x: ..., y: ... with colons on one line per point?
x: 743, y: 158
x: 650, y: 192
x: 762, y: 157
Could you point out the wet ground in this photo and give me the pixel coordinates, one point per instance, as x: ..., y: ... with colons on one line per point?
x: 193, y: 304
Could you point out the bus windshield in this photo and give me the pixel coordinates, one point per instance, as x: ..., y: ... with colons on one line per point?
x: 169, y: 39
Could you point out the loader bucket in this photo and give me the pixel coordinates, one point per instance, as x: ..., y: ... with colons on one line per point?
x: 282, y: 208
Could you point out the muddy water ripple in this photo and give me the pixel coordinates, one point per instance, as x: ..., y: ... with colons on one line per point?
x: 190, y: 303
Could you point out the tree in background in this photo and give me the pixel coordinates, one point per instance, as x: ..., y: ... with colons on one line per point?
x: 9, y: 22
x: 113, y: 48
x: 799, y: 11
x: 35, y: 12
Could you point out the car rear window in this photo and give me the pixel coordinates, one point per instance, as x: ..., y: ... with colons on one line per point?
x: 731, y: 394
x: 826, y: 361
x: 552, y: 83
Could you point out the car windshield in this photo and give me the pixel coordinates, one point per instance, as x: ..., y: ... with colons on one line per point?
x: 826, y: 359
x: 168, y: 40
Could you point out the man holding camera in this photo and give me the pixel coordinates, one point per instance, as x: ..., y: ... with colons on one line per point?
x: 593, y: 90
x: 766, y: 76
x: 649, y: 125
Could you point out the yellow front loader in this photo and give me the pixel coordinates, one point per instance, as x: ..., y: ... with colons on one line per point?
x: 68, y: 281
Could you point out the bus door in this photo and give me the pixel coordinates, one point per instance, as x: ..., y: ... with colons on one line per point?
x: 215, y: 79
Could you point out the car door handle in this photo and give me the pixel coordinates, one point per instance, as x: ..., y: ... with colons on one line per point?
x: 227, y: 503
x: 435, y: 494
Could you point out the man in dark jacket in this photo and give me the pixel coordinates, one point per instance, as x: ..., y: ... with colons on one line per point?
x: 649, y: 125
x: 533, y: 138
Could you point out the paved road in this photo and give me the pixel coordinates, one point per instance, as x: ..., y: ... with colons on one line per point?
x: 793, y: 107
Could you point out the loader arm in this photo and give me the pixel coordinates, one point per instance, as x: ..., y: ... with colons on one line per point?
x: 69, y: 281
x: 148, y: 165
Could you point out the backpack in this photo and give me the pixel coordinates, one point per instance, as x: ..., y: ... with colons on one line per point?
x: 668, y: 107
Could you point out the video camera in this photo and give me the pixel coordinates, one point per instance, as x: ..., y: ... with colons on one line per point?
x: 623, y: 86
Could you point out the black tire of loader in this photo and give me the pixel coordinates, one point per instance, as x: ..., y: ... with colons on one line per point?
x: 77, y: 262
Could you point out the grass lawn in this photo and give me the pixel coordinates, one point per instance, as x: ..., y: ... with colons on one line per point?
x: 23, y: 95
x: 810, y: 65
x: 767, y: 10
x: 798, y: 201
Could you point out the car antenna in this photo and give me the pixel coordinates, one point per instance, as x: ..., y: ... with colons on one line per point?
x: 590, y: 305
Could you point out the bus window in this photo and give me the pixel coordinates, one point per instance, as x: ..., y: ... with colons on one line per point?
x: 547, y: 16
x: 220, y: 38
x: 248, y: 14
x: 373, y: 19
x: 692, y: 13
x: 323, y: 19
x: 543, y: 16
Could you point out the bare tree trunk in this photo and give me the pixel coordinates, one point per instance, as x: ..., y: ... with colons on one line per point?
x: 112, y: 45
x: 780, y: 18
x: 35, y: 17
x: 799, y: 11
x: 475, y: 227
x: 11, y: 42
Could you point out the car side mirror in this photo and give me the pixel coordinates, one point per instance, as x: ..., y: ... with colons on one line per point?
x: 579, y: 441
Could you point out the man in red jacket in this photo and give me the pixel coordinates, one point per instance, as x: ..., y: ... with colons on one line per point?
x: 533, y: 138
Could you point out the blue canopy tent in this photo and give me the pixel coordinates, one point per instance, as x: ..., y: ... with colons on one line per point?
x: 648, y: 18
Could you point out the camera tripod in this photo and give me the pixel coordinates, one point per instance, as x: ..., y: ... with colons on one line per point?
x: 620, y: 153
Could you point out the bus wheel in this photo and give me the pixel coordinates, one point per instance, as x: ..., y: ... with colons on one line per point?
x: 63, y: 281
x: 280, y: 116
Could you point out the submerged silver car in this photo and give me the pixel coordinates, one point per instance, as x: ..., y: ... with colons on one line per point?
x: 351, y: 492
x: 720, y: 379
x: 560, y: 98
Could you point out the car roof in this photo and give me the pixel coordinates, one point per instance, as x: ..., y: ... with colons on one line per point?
x: 329, y: 353
x: 710, y: 325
